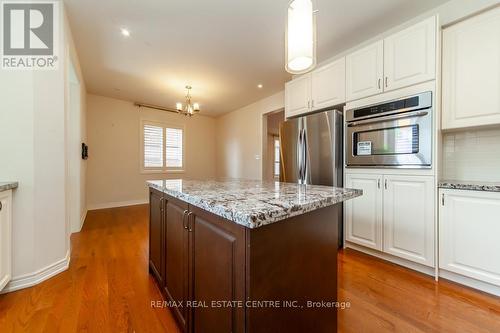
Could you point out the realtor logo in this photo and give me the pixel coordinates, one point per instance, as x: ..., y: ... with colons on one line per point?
x: 29, y: 35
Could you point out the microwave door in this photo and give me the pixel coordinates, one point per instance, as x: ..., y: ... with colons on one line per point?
x: 289, y: 151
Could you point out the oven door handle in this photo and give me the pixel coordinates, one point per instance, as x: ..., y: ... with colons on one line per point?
x: 391, y: 117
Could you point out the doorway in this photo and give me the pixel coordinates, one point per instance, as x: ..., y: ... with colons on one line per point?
x: 74, y: 180
x: 272, y: 159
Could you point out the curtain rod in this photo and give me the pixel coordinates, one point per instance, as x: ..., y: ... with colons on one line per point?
x: 156, y: 107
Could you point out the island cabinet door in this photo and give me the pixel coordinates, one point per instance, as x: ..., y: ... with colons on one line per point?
x: 156, y: 229
x: 176, y: 259
x: 217, y: 273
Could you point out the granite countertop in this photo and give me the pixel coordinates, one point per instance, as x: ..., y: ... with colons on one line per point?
x: 470, y: 185
x: 5, y: 186
x: 253, y: 203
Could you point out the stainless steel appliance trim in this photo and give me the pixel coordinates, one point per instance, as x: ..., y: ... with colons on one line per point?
x: 420, y: 160
x: 391, y: 117
x: 425, y: 102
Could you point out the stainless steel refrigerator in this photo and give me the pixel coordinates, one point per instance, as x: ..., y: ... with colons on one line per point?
x: 312, y: 151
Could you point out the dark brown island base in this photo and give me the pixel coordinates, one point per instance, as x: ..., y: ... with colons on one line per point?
x: 246, y: 256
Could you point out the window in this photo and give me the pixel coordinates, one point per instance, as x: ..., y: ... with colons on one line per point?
x: 162, y: 147
x: 276, y: 158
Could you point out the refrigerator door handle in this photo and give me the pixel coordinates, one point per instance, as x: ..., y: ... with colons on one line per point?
x: 299, y: 156
x: 304, y: 156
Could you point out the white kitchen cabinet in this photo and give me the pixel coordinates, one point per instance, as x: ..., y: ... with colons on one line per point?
x: 322, y: 88
x: 5, y: 237
x: 395, y: 215
x: 410, y: 55
x: 471, y: 72
x: 469, y: 234
x: 403, y: 59
x: 364, y: 71
x: 328, y: 85
x: 298, y: 96
x: 364, y: 214
x: 409, y: 218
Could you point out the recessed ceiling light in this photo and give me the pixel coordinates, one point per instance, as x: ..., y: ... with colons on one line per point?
x: 260, y: 86
x: 125, y: 32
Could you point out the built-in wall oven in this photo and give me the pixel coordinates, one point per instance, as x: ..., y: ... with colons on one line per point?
x: 396, y: 133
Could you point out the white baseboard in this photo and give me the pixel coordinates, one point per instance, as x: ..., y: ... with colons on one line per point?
x: 117, y: 204
x: 470, y: 282
x: 395, y: 260
x: 82, y: 220
x: 31, y: 279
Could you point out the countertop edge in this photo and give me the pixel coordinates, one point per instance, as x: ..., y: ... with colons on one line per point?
x: 469, y: 185
x: 248, y: 220
x: 5, y: 186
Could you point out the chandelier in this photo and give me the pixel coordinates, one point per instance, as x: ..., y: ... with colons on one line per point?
x: 188, y: 109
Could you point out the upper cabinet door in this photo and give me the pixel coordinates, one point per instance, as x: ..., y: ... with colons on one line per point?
x: 328, y: 85
x: 298, y: 96
x: 471, y: 72
x: 364, y: 71
x: 410, y: 55
x: 409, y: 218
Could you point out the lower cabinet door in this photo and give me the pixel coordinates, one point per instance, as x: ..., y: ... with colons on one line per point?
x: 364, y: 214
x: 176, y: 259
x: 409, y: 218
x: 5, y: 238
x: 156, y: 229
x: 469, y: 234
x: 217, y: 274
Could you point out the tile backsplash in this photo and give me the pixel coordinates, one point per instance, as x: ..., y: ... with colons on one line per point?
x: 472, y: 155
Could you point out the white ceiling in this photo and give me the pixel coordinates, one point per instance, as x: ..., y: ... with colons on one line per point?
x: 223, y: 48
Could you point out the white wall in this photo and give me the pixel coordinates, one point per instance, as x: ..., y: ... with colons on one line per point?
x: 32, y: 145
x: 240, y: 141
x: 114, y: 176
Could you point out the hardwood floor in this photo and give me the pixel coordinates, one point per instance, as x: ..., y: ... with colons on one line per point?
x: 108, y: 289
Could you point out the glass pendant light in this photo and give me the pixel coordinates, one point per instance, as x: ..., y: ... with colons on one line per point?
x: 300, y: 37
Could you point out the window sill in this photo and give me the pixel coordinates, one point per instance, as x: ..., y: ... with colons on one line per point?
x: 145, y: 172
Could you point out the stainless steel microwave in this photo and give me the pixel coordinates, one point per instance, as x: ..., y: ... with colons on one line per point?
x: 396, y: 133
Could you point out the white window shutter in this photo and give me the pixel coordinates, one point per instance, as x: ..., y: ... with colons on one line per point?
x: 153, y: 146
x: 173, y: 147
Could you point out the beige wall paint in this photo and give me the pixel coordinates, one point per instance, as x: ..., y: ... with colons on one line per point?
x: 114, y: 176
x: 239, y: 139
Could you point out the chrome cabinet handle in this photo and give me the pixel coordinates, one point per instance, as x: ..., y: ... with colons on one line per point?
x: 308, y: 104
x: 190, y: 224
x: 442, y: 199
x: 379, y: 83
x: 1, y: 205
x: 312, y: 103
x: 378, y: 183
x: 386, y: 81
x: 161, y: 204
x: 184, y: 219
x: 385, y: 184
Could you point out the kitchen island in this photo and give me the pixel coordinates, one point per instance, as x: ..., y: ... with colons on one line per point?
x: 246, y: 256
